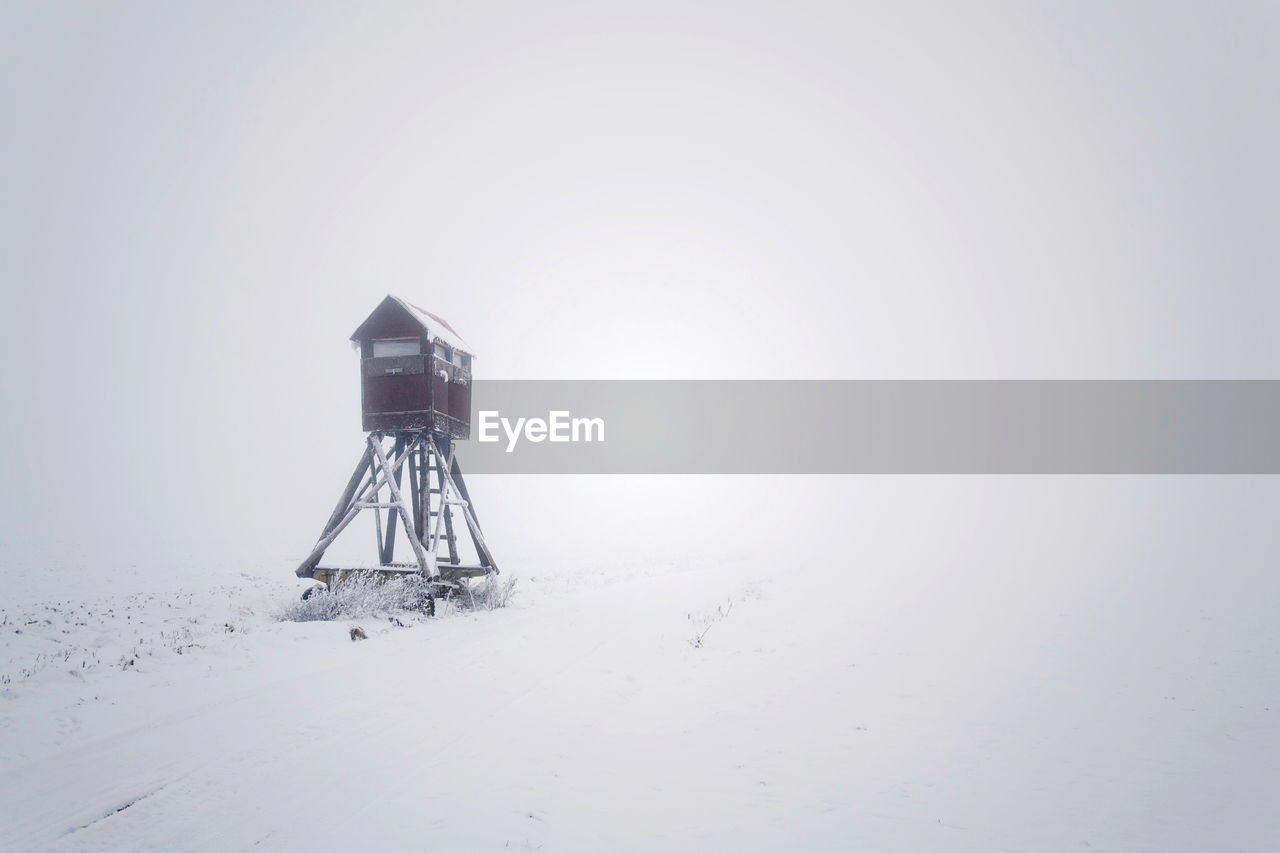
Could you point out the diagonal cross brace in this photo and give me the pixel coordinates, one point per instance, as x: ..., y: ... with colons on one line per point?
x: 377, y: 478
x: 425, y: 562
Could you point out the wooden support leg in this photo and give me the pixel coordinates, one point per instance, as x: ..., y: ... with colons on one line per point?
x: 450, y: 538
x: 416, y: 493
x: 344, y: 504
x: 377, y: 522
x: 469, y: 514
x: 424, y: 489
x: 388, y: 546
x: 349, y: 493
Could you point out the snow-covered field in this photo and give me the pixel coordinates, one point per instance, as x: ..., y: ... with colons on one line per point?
x: 956, y: 664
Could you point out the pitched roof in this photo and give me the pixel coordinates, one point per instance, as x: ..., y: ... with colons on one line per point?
x: 436, y: 328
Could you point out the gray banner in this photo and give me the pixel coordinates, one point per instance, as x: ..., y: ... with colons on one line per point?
x: 874, y: 427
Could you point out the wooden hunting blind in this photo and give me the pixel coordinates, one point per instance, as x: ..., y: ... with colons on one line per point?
x: 415, y: 392
x: 415, y: 371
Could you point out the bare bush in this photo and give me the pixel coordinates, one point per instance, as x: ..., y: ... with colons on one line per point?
x: 358, y: 596
x: 367, y: 595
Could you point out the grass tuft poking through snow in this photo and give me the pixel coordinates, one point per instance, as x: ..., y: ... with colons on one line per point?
x: 702, y: 623
x: 488, y: 594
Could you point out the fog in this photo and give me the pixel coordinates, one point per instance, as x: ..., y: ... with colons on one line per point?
x: 202, y: 201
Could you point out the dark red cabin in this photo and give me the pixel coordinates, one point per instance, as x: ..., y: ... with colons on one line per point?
x: 415, y: 372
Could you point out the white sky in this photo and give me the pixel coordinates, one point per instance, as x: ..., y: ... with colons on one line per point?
x: 201, y: 201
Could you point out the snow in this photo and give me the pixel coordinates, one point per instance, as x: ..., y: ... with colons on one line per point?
x: 953, y: 668
x: 437, y: 327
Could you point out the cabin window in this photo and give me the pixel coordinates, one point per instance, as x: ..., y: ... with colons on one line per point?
x: 464, y: 361
x: 442, y: 351
x: 397, y: 346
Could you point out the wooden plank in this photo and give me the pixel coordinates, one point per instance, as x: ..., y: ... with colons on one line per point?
x: 455, y: 572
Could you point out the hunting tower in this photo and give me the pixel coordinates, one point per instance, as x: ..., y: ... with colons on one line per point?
x: 415, y: 392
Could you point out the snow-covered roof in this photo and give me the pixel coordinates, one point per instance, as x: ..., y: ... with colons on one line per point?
x: 437, y: 328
